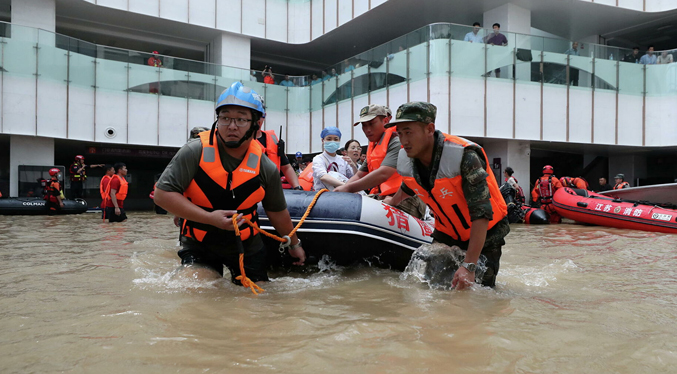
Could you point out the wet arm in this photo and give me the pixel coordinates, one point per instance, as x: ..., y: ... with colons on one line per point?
x: 371, y: 180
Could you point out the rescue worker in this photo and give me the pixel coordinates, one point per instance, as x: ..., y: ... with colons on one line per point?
x: 450, y: 174
x: 78, y: 175
x: 52, y: 192
x: 115, y: 195
x: 378, y: 174
x: 221, y: 174
x: 512, y: 181
x: 577, y: 182
x: 103, y: 185
x: 275, y: 151
x: 544, y: 190
x: 620, y: 182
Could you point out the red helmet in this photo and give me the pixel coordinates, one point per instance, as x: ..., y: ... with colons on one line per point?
x: 79, y: 157
x: 155, y: 53
x: 54, y: 171
x: 567, y: 181
x: 547, y: 169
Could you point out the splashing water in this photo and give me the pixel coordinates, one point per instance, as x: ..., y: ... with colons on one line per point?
x: 436, y: 264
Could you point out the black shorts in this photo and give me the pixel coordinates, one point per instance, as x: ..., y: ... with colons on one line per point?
x: 255, y: 263
x: 112, y: 217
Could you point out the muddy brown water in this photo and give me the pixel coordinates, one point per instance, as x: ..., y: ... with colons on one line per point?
x: 80, y: 296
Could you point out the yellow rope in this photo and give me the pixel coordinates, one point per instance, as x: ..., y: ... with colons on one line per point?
x: 246, y: 282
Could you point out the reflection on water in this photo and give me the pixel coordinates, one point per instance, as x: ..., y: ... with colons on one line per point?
x: 82, y: 296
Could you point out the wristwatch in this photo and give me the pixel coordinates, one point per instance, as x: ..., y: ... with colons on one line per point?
x: 297, y: 188
x: 298, y: 245
x: 470, y: 266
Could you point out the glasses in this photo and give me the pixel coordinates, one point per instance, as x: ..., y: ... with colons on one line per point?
x: 354, y: 148
x: 239, y: 122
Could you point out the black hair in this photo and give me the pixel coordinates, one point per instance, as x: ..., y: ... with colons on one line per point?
x: 107, y: 167
x: 348, y: 144
x: 497, y: 24
x: 509, y: 171
x: 650, y: 46
x: 637, y: 48
x: 119, y: 166
x: 476, y: 24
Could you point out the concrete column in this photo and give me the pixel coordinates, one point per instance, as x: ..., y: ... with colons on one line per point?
x: 40, y: 14
x: 231, y: 50
x: 632, y: 166
x: 27, y: 150
x: 513, y: 153
x: 513, y: 18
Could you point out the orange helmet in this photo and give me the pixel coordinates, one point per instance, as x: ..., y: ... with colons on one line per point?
x: 547, y: 169
x: 79, y: 157
x: 54, y: 171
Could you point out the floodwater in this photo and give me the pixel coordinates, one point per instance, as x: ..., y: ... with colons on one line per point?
x: 80, y: 296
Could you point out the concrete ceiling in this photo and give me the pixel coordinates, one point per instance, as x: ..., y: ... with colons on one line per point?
x: 570, y: 19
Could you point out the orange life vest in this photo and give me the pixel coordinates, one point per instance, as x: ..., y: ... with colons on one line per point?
x: 376, y: 153
x: 213, y: 188
x: 621, y: 185
x: 102, y: 189
x: 121, y: 194
x: 306, y: 178
x: 52, y: 191
x: 271, y: 147
x: 446, y: 197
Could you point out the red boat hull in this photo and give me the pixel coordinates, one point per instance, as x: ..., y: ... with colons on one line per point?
x: 589, y: 207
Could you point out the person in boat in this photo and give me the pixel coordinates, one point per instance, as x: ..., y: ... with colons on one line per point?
x: 450, y: 174
x: 603, y: 185
x: 115, y: 195
x: 225, y: 173
x: 274, y: 149
x: 330, y: 169
x: 52, y: 193
x: 354, y: 151
x: 378, y: 174
x: 512, y: 181
x: 577, y: 182
x: 544, y: 190
x: 620, y: 182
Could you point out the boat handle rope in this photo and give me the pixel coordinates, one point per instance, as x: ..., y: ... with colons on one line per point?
x: 285, y: 242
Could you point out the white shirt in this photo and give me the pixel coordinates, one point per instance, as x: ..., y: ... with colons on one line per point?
x: 322, y: 162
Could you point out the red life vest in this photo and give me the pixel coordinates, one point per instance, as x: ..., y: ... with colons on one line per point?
x: 545, y: 189
x: 519, y: 196
x: 75, y: 177
x: 376, y: 153
x: 213, y: 188
x: 306, y: 177
x: 271, y: 148
x: 105, y: 180
x: 446, y: 198
x: 52, y: 191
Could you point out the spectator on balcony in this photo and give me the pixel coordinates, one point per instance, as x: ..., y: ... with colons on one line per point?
x: 154, y: 60
x: 664, y: 58
x: 252, y: 76
x: 315, y: 80
x: 632, y: 57
x: 497, y: 39
x: 334, y: 73
x: 649, y: 58
x: 475, y: 36
x: 573, y: 72
x: 348, y: 66
x: 268, y: 77
x: 287, y: 82
x: 325, y: 76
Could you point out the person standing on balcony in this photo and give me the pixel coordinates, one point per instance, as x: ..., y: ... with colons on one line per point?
x: 664, y: 58
x: 287, y: 82
x: 649, y: 58
x: 497, y: 39
x: 632, y: 57
x: 154, y: 60
x: 268, y: 77
x: 453, y: 177
x: 475, y: 36
x: 573, y: 72
x: 378, y: 173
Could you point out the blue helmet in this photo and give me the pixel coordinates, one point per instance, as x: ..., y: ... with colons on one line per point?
x: 239, y: 95
x: 330, y: 130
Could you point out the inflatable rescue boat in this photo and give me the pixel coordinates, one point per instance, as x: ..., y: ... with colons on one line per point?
x: 521, y: 213
x: 351, y: 228
x: 589, y: 207
x: 36, y: 206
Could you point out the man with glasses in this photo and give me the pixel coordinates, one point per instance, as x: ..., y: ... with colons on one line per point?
x: 222, y: 174
x: 475, y: 36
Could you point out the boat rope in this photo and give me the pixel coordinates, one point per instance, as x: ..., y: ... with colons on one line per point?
x: 285, y: 241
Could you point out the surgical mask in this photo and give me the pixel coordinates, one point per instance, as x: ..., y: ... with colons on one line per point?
x: 331, y: 147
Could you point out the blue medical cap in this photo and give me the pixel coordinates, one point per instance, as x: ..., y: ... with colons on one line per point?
x: 331, y: 130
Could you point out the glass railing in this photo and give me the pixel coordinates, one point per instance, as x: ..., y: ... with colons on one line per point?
x: 431, y: 52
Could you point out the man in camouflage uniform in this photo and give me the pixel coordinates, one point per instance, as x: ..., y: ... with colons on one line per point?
x: 450, y: 174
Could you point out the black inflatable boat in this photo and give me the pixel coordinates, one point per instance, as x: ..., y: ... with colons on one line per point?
x: 36, y: 206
